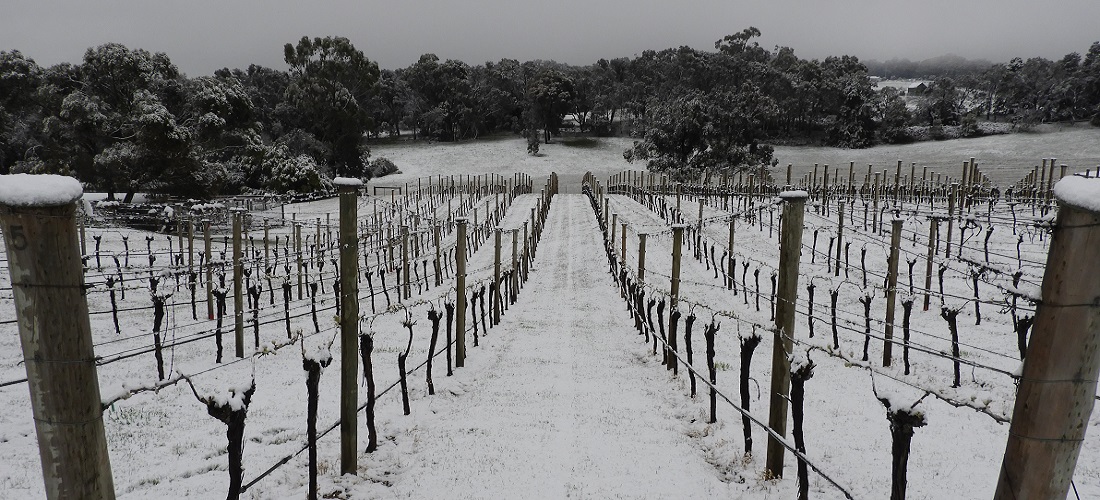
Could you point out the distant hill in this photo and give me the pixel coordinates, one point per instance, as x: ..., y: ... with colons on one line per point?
x: 950, y: 65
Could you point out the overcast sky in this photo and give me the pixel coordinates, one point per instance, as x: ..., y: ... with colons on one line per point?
x: 201, y: 36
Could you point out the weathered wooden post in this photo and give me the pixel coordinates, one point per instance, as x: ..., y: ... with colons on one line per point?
x: 623, y: 245
x: 349, y: 324
x: 496, y: 298
x: 1058, y: 384
x: 267, y: 245
x: 515, y: 265
x: 526, y: 251
x: 933, y: 229
x: 891, y: 287
x: 405, y: 261
x: 238, y: 285
x: 298, y: 256
x: 951, y: 216
x: 190, y: 244
x: 839, y: 238
x: 677, y: 242
x: 460, y: 293
x: 38, y: 218
x: 729, y: 254
x: 641, y: 258
x: 790, y: 246
x: 207, y: 237
x: 614, y: 229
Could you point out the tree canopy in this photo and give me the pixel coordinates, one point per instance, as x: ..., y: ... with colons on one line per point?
x: 125, y: 120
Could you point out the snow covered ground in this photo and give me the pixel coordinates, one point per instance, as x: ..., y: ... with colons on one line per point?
x: 563, y: 398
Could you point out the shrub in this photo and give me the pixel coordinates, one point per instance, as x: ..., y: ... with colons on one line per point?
x: 381, y: 167
x: 298, y: 174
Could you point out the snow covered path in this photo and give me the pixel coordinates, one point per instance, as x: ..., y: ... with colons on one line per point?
x: 560, y: 402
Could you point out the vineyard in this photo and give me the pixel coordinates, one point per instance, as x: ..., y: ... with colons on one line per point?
x: 913, y: 308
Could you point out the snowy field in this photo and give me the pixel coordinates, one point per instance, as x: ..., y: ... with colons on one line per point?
x: 1004, y: 158
x: 564, y: 398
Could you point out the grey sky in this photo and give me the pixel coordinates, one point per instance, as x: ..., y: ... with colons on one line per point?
x: 201, y: 36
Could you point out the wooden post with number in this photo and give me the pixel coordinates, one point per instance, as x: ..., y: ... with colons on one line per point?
x: 790, y: 246
x: 1058, y: 384
x: 46, y: 269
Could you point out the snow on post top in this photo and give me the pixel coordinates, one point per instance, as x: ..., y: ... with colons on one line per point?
x: 44, y: 190
x: 1081, y: 192
x: 794, y: 195
x: 347, y: 181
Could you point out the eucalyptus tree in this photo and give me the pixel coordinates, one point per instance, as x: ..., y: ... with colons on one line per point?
x: 331, y: 84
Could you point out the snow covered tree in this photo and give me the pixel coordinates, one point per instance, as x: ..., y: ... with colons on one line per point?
x: 697, y: 131
x: 331, y: 86
x: 549, y: 97
x: 294, y: 174
x: 20, y: 78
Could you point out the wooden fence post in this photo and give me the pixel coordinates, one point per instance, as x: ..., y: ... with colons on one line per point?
x: 839, y: 238
x: 44, y: 262
x: 238, y: 286
x: 677, y: 242
x: 526, y: 252
x: 515, y: 265
x: 267, y: 245
x: 298, y: 257
x: 497, y: 295
x: 460, y: 293
x: 729, y: 254
x: 891, y: 287
x: 790, y: 247
x: 1058, y: 383
x: 190, y: 244
x: 641, y: 258
x: 349, y: 325
x: 699, y: 232
x: 614, y: 229
x: 623, y: 245
x: 206, y: 223
x: 933, y: 230
x: 951, y: 216
x: 405, y: 261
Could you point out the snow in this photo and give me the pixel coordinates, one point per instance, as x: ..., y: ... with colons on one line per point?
x: 347, y: 181
x: 798, y: 194
x: 38, y: 190
x: 1081, y: 192
x: 321, y: 355
x: 563, y: 398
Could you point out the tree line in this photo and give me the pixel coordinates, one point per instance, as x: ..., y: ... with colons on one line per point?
x: 126, y: 120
